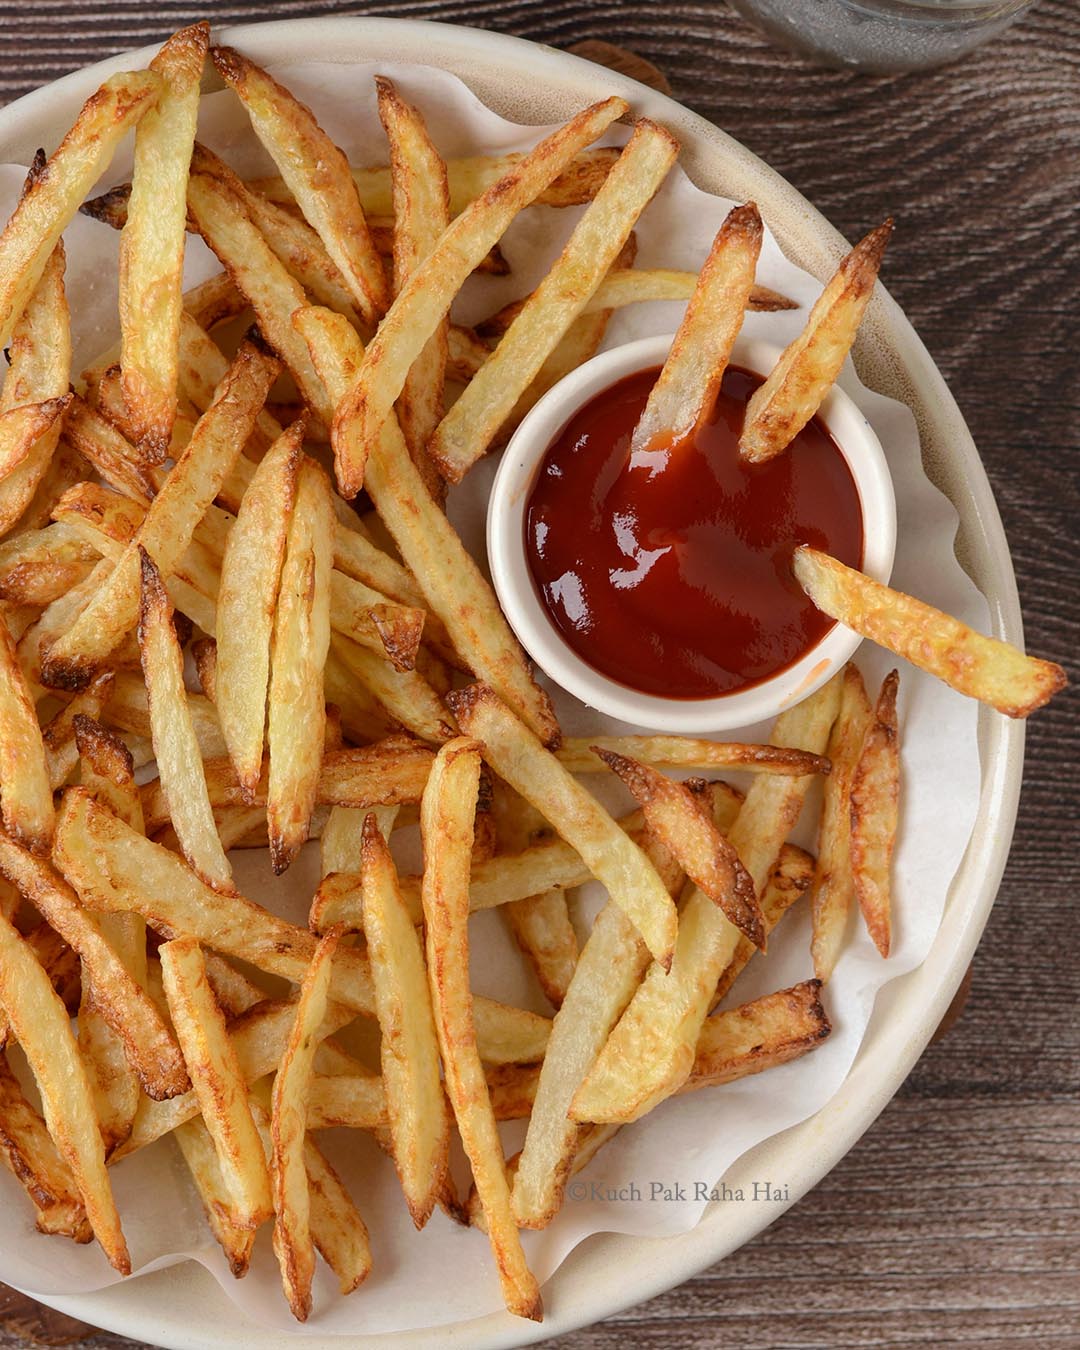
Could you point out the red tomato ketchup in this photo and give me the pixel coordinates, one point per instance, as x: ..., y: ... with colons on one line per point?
x: 673, y: 575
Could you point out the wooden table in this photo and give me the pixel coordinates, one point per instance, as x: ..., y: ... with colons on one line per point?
x: 957, y: 1217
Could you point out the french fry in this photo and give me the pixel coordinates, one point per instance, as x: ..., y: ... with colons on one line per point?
x: 170, y: 522
x: 128, y: 710
x: 421, y: 214
x: 685, y: 391
x: 176, y: 748
x: 108, y: 772
x: 834, y: 885
x: 759, y: 1035
x: 405, y: 694
x: 994, y: 672
x: 372, y: 621
x: 216, y: 1080
x: 874, y: 806
x: 416, y: 1107
x: 301, y: 639
x: 337, y: 1229
x: 317, y: 174
x: 517, y: 756
x: 430, y: 290
x: 215, y: 301
x: 32, y: 1158
x: 792, y: 877
x: 39, y: 374
x: 453, y: 586
x: 683, y: 824
x: 216, y: 199
x: 469, y: 427
x: 148, y: 1044
x: 446, y: 816
x: 780, y: 408
x: 684, y: 752
x: 58, y: 735
x: 53, y: 197
x: 40, y: 1023
x: 293, y: 1246
x: 468, y: 178
x: 203, y: 366
x: 152, y: 243
x: 201, y: 1157
x: 250, y: 576
x: 95, y: 438
x: 26, y: 801
x: 38, y: 565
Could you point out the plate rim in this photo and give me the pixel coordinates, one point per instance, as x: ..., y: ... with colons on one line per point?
x: 182, y: 1306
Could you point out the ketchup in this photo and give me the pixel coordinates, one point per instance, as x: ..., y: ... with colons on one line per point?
x: 673, y: 575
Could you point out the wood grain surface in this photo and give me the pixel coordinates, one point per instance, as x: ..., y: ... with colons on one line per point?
x: 956, y: 1219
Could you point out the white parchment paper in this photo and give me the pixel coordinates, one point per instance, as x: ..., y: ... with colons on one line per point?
x: 445, y: 1274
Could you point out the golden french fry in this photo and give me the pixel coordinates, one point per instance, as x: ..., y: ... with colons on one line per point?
x: 514, y: 752
x: 169, y: 524
x: 804, y: 374
x: 471, y: 424
x: 452, y: 584
x: 981, y: 667
x: 26, y: 801
x: 834, y: 885
x: 874, y: 806
x: 759, y: 1035
x: 28, y: 436
x: 791, y: 878
x: 176, y: 748
x: 250, y: 576
x: 32, y: 1158
x: 293, y: 1246
x: 430, y: 290
x: 41, y: 1025
x: 53, y: 197
x: 404, y: 694
x: 128, y: 710
x: 374, y: 622
x: 152, y: 243
x: 58, y: 735
x: 108, y: 772
x: 216, y: 199
x: 316, y: 172
x: 337, y: 1229
x: 38, y: 565
x: 301, y: 640
x: 216, y: 1080
x: 112, y: 455
x: 684, y: 825
x: 200, y: 1155
x: 685, y: 391
x: 416, y: 1106
x: 421, y: 214
x: 203, y: 366
x: 468, y: 178
x: 446, y: 816
x: 684, y: 752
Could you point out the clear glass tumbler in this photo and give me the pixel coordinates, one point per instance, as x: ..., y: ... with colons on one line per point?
x: 882, y: 35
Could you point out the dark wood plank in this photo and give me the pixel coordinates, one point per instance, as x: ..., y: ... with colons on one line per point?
x: 955, y: 1219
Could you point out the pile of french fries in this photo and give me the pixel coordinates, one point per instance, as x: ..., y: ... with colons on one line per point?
x: 189, y: 579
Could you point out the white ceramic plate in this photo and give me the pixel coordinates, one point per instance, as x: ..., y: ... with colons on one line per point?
x: 182, y: 1306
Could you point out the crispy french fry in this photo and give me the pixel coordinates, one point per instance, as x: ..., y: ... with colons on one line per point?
x: 684, y: 752
x: 53, y: 197
x: 380, y: 625
x: 471, y: 424
x: 176, y: 748
x: 108, y: 772
x: 216, y: 1080
x: 791, y: 878
x: 40, y: 1023
x: 759, y: 1035
x: 453, y: 586
x: 430, y: 290
x: 516, y: 755
x: 32, y: 1158
x: 874, y: 805
x: 58, y: 735
x: 170, y: 522
x: 446, y: 816
x: 834, y: 885
x: 200, y: 1155
x: 25, y: 790
x: 38, y: 565
x: 317, y: 174
x: 297, y: 707
x: 27, y: 438
x: 338, y: 1231
x: 250, y: 576
x: 128, y: 710
x: 805, y: 372
x: 684, y: 825
x: 416, y: 1106
x: 682, y: 398
x: 152, y: 243
x: 421, y: 214
x: 293, y: 1245
x: 90, y: 433
x: 203, y: 366
x: 405, y: 694
x: 468, y: 177
x: 981, y: 667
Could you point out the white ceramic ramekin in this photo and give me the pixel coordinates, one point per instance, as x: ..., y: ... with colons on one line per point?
x: 538, y: 635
